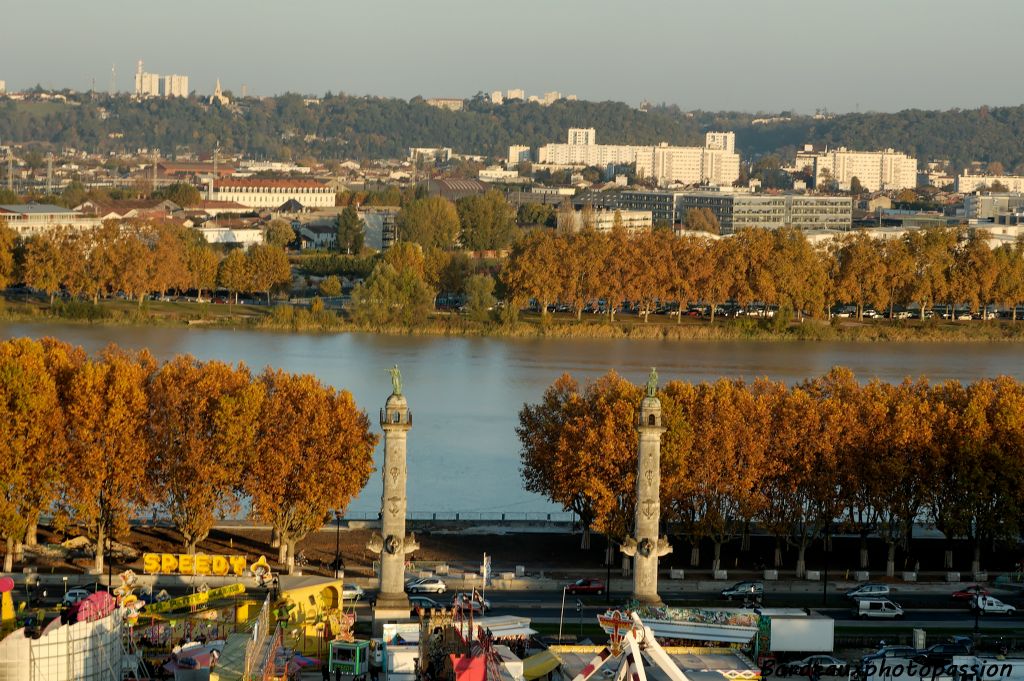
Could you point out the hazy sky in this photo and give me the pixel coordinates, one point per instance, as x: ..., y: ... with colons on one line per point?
x: 751, y: 55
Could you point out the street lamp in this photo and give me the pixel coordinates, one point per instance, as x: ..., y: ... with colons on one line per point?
x: 65, y: 578
x: 561, y: 614
x: 337, y: 544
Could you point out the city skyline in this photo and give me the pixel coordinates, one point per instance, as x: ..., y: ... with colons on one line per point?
x: 740, y: 55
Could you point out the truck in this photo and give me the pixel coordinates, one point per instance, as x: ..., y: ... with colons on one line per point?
x: 787, y: 632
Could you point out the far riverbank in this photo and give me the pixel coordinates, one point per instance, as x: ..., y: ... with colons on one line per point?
x: 298, y: 319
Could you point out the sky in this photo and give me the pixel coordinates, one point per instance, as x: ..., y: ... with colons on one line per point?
x: 741, y: 55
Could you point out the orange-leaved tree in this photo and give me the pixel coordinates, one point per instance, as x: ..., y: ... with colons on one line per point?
x: 313, y: 453
x: 104, y: 477
x: 203, y: 425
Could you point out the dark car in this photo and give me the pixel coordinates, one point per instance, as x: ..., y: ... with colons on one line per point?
x: 585, y: 586
x: 427, y: 604
x: 744, y: 590
x: 941, y: 653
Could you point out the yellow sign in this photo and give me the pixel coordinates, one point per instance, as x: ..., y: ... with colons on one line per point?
x: 189, y: 564
x: 196, y: 599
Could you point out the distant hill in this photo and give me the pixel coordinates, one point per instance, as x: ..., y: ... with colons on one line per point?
x: 342, y: 126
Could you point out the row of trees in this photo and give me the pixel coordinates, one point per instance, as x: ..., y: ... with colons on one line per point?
x: 777, y: 267
x: 825, y: 454
x: 476, y: 223
x: 138, y: 258
x: 98, y: 440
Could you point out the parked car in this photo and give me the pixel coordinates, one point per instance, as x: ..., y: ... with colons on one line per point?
x: 73, y: 596
x: 471, y: 602
x: 970, y: 593
x: 744, y: 589
x: 987, y: 605
x: 897, y: 651
x: 878, y: 608
x: 430, y: 585
x: 825, y: 665
x: 352, y: 592
x: 868, y: 591
x: 422, y: 602
x: 941, y: 654
x: 585, y: 586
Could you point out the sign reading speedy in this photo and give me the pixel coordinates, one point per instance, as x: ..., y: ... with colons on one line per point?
x: 188, y: 564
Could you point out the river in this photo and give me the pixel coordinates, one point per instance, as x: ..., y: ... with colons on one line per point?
x: 465, y: 393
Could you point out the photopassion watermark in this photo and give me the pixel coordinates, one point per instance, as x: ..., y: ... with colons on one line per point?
x: 890, y: 670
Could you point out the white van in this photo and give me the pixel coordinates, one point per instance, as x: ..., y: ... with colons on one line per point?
x: 878, y: 607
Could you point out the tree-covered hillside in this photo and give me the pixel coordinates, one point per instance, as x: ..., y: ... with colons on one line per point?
x: 342, y: 126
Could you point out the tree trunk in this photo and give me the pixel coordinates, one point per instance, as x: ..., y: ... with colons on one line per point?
x: 275, y: 538
x: 32, y: 531
x: 947, y: 559
x: 101, y: 537
x: 282, y: 553
x: 745, y: 538
x: 976, y: 560
x: 694, y: 555
x: 9, y: 556
x: 863, y: 552
x: 19, y: 550
x: 801, y: 562
x: 585, y: 538
x: 777, y: 559
x: 627, y: 564
x: 291, y: 557
x: 716, y: 564
x: 890, y: 559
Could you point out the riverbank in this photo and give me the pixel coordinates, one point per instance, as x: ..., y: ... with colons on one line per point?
x: 530, y: 325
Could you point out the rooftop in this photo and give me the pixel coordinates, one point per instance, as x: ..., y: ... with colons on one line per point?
x: 33, y: 208
x: 271, y: 183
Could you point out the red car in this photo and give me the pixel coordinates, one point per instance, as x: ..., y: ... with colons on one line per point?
x: 585, y: 586
x: 970, y: 592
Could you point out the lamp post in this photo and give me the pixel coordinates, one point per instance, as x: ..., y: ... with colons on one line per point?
x: 561, y: 614
x: 337, y: 544
x: 65, y: 579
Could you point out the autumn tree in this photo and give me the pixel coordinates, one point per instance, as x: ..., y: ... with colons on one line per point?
x: 389, y: 296
x: 201, y: 413
x: 480, y: 300
x: 861, y: 272
x: 430, y: 221
x: 7, y: 241
x: 931, y: 252
x: 103, y: 480
x: 579, y: 450
x: 278, y: 233
x: 132, y: 263
x: 33, y: 445
x: 330, y: 287
x: 1009, y: 283
x: 43, y: 266
x: 268, y: 268
x: 233, y: 273
x: 532, y: 270
x: 313, y: 453
x: 201, y: 263
x: 702, y: 220
x: 168, y: 268
x: 487, y: 220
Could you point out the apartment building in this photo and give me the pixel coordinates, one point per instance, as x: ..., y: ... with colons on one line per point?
x: 716, y: 163
x: 175, y: 86
x: 449, y: 103
x: 272, y: 194
x: 971, y: 183
x: 875, y: 170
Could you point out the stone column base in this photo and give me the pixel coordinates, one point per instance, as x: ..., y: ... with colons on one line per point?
x: 390, y: 608
x: 649, y: 599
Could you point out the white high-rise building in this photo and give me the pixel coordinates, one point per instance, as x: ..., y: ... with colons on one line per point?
x: 876, y: 170
x: 496, y: 97
x: 517, y: 153
x: 971, y: 183
x: 716, y: 163
x: 515, y: 94
x: 721, y: 141
x: 3, y: 86
x: 175, y: 86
